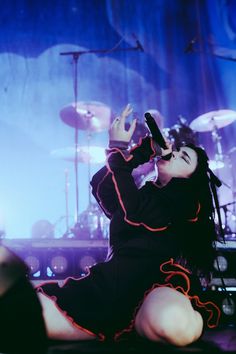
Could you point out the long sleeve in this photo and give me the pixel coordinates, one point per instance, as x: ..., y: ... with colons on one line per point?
x: 103, y: 188
x: 153, y: 208
x: 140, y: 207
x: 104, y: 192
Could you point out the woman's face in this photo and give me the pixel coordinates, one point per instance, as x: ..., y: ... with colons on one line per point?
x: 181, y: 165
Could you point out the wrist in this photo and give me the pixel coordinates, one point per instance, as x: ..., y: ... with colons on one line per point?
x: 121, y: 145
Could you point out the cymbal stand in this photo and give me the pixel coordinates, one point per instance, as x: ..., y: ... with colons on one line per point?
x: 233, y: 186
x: 67, y: 232
x: 75, y: 55
x: 89, y: 167
x: 75, y: 61
x: 216, y: 138
x: 219, y: 157
x: 217, y: 141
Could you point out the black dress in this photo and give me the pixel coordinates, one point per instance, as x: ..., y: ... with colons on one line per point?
x: 143, y: 252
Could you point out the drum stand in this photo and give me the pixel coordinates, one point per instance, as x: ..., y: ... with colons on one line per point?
x: 233, y: 193
x: 219, y: 156
x: 67, y: 233
x: 75, y: 55
x: 216, y: 138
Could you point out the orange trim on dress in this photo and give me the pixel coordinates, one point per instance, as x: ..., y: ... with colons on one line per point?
x: 140, y: 143
x: 209, y: 306
x: 98, y: 196
x: 39, y: 288
x: 197, y: 212
x: 122, y: 204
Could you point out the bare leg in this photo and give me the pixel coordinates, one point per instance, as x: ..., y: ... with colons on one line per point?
x: 166, y: 315
x: 57, y: 325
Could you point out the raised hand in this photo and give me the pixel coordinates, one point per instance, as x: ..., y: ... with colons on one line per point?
x: 117, y: 130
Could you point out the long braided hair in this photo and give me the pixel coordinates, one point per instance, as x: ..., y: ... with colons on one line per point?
x: 205, y: 232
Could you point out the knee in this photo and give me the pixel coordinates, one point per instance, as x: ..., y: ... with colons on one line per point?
x: 171, y: 325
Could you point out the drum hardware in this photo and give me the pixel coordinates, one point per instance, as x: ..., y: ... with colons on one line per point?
x: 67, y: 233
x: 181, y: 134
x: 82, y: 116
x: 92, y: 224
x: 91, y: 154
x: 212, y: 122
x: 228, y: 213
x: 230, y: 152
x: 89, y: 116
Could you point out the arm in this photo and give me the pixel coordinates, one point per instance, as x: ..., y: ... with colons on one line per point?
x: 135, y: 204
x: 147, y: 208
x: 153, y: 208
x: 104, y: 192
x: 102, y: 185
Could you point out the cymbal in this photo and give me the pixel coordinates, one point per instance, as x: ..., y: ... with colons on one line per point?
x: 214, y: 119
x: 85, y: 154
x: 92, y: 115
x: 216, y: 164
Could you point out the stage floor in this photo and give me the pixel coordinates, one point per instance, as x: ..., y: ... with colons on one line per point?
x: 214, y: 341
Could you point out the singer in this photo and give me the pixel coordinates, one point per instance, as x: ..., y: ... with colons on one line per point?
x: 160, y: 241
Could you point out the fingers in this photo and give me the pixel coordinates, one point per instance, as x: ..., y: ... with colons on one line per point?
x: 126, y: 112
x: 115, y: 122
x: 121, y: 119
x: 128, y: 109
x: 132, y: 127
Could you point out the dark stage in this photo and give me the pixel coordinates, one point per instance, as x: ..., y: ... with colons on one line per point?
x: 47, y: 261
x: 222, y: 340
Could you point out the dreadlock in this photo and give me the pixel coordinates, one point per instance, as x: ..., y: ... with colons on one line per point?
x: 203, y: 233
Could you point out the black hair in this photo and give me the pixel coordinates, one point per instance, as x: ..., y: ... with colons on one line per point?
x: 199, y: 249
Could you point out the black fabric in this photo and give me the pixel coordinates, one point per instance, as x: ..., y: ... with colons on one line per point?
x: 143, y: 235
x: 22, y: 324
x: 105, y: 302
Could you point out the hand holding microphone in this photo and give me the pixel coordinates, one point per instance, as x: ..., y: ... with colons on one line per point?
x: 158, y: 137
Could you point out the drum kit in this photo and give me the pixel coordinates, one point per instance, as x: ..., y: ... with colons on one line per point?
x: 94, y: 117
x: 91, y: 117
x: 212, y: 122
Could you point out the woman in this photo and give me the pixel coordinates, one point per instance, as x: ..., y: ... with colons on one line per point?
x: 160, y: 243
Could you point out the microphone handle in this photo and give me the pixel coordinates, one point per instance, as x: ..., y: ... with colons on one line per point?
x: 155, y: 131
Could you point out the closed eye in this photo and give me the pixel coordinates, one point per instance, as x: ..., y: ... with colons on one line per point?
x: 186, y: 158
x: 183, y: 157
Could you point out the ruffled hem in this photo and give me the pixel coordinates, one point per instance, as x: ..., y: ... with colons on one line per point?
x: 100, y: 336
x: 209, y: 307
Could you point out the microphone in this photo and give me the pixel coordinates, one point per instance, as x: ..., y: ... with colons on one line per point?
x: 189, y: 48
x: 156, y: 134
